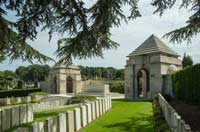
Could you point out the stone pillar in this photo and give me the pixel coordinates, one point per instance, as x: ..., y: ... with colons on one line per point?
x: 93, y: 111
x: 6, y: 119
x: 62, y: 122
x: 70, y: 121
x: 15, y: 116
x: 97, y: 108
x: 89, y: 112
x: 83, y: 116
x: 52, y: 124
x: 77, y: 119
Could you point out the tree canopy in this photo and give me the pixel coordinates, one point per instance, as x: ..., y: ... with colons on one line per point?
x: 187, y: 60
x: 85, y: 29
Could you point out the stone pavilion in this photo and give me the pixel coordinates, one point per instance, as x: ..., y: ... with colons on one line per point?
x: 63, y: 79
x: 147, y: 67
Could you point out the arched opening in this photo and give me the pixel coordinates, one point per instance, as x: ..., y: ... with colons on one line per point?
x: 69, y: 84
x: 142, y: 82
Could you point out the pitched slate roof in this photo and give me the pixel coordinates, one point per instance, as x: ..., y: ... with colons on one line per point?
x: 152, y: 45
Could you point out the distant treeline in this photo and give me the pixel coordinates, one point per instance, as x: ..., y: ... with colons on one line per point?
x: 32, y: 75
x: 108, y: 73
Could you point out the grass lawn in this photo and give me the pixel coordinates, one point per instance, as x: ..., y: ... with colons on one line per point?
x: 125, y: 116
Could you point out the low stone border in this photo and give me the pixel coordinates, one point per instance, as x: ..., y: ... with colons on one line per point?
x: 75, y: 120
x: 173, y: 119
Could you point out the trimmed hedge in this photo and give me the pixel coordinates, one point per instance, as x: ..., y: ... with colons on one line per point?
x: 186, y: 84
x: 117, y: 86
x: 18, y: 92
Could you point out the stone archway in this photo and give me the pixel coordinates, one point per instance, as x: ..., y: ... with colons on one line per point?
x: 142, y: 83
x: 69, y: 85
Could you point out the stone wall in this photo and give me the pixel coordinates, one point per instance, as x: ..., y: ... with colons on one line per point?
x: 74, y: 120
x: 173, y: 119
x: 14, y: 116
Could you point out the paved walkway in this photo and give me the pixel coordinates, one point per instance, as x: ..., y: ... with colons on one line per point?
x: 125, y: 116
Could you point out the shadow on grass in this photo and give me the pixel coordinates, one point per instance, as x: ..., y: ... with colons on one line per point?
x: 141, y: 123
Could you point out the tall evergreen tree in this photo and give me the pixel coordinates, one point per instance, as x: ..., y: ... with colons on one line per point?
x: 85, y: 29
x: 187, y: 60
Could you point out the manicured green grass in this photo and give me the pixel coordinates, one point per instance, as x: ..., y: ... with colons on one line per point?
x: 125, y: 116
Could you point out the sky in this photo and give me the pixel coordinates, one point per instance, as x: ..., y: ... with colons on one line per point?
x: 129, y: 35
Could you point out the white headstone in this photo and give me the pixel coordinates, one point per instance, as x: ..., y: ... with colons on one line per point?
x: 93, y: 111
x: 70, y: 121
x: 103, y: 106
x: 77, y: 119
x: 52, y: 124
x: 89, y: 112
x: 62, y: 120
x: 6, y: 119
x: 100, y: 107
x: 97, y: 108
x: 83, y: 116
x: 23, y: 114
x: 15, y: 116
x: 29, y: 113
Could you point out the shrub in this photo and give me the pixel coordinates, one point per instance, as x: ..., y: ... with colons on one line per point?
x: 84, y: 97
x: 117, y: 86
x: 18, y: 92
x: 186, y: 84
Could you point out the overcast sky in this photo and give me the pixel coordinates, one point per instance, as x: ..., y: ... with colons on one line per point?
x: 129, y: 36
